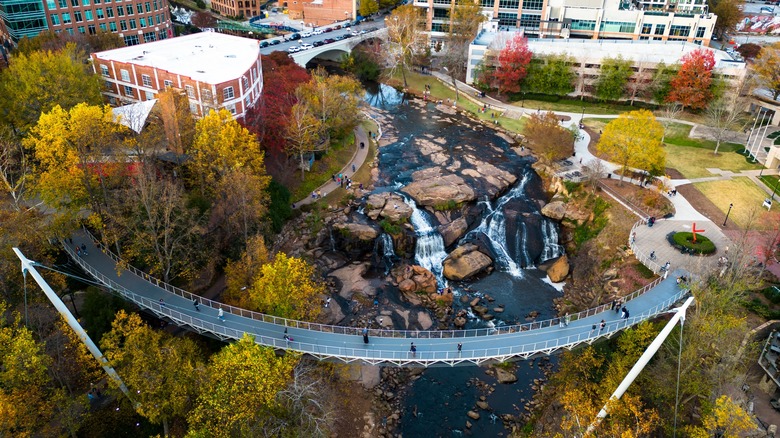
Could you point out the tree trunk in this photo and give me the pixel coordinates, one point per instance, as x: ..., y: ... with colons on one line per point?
x: 403, y: 74
x: 717, y: 145
x: 303, y: 169
x: 165, y: 427
x: 455, y: 85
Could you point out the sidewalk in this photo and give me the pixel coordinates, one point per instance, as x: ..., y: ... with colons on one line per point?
x: 357, y: 160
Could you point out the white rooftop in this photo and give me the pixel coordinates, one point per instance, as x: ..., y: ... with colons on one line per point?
x: 651, y: 52
x: 134, y: 115
x: 209, y: 57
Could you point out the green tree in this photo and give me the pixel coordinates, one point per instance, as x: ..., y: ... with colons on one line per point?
x: 287, y: 288
x: 406, y: 39
x: 241, y: 273
x: 368, y: 7
x: 162, y: 372
x: 613, y: 78
x: 660, y: 85
x: 38, y: 82
x: 550, y: 140
x: 238, y: 396
x: 634, y: 140
x: 334, y: 100
x: 550, y: 74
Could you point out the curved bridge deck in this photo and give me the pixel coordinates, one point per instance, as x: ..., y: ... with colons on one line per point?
x: 386, y: 347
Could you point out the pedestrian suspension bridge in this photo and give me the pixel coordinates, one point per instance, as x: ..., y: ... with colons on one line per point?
x: 385, y: 347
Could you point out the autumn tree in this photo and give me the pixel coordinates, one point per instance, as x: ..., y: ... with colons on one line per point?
x: 239, y: 394
x: 634, y: 140
x: 551, y: 140
x: 406, y: 39
x: 38, y: 82
x: 729, y: 14
x: 204, y: 20
x: 726, y: 419
x: 85, y: 44
x: 302, y: 134
x: 465, y: 19
x: 177, y: 120
x: 723, y: 115
x: 70, y: 148
x: 767, y: 68
x: 15, y: 168
x: 334, y: 100
x: 511, y: 64
x: 613, y: 78
x: 368, y: 7
x: 550, y: 74
x: 240, y: 274
x: 240, y: 205
x: 287, y: 288
x: 692, y: 87
x: 749, y: 50
x: 162, y: 372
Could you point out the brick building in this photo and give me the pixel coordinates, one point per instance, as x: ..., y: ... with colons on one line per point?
x: 322, y: 12
x: 137, y: 21
x: 237, y: 8
x: 214, y: 70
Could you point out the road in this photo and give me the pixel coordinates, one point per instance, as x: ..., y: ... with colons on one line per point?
x: 379, y: 23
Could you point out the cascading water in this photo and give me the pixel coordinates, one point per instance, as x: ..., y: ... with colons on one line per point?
x: 332, y: 240
x: 550, y: 236
x: 429, y: 251
x: 388, y: 252
x: 493, y: 226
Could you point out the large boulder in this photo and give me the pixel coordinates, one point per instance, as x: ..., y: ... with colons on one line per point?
x: 388, y: 206
x: 432, y: 189
x: 555, y: 210
x: 465, y: 261
x: 416, y: 282
x: 453, y: 231
x: 365, y: 233
x: 505, y: 376
x: 559, y: 269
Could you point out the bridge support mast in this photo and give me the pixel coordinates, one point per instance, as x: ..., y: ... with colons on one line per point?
x: 679, y: 316
x: 29, y: 266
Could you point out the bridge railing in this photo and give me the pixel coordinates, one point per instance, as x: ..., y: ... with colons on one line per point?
x: 641, y: 256
x: 420, y: 334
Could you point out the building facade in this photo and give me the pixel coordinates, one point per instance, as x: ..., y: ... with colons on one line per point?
x: 237, y: 8
x: 214, y: 70
x: 137, y: 21
x: 316, y: 13
x: 661, y: 20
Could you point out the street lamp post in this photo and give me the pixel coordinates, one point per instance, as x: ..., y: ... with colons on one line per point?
x: 727, y: 214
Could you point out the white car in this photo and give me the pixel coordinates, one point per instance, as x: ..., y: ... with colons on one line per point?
x: 354, y: 33
x: 317, y: 32
x: 305, y: 46
x: 305, y: 34
x: 293, y: 49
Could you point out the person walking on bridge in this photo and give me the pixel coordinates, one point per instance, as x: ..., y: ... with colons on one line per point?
x: 413, y: 349
x: 365, y: 335
x: 221, y: 315
x: 195, y: 303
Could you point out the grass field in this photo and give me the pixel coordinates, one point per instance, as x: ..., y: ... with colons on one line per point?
x: 335, y: 160
x: 747, y: 199
x: 363, y: 173
x: 771, y: 181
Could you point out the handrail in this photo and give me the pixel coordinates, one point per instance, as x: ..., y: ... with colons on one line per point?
x: 644, y: 259
x: 425, y: 354
x: 285, y: 322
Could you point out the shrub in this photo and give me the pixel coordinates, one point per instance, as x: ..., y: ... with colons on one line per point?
x: 644, y: 271
x: 772, y: 293
x: 279, y: 209
x: 200, y: 4
x: 449, y: 205
x: 703, y: 245
x: 390, y: 227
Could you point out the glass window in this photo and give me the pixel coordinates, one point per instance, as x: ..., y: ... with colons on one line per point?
x: 437, y: 2
x: 149, y: 95
x: 700, y: 32
x: 227, y: 93
x: 120, y: 11
x: 675, y: 30
x: 507, y: 19
x: 244, y: 82
x: 88, y: 15
x: 125, y: 75
x: 77, y: 16
x: 63, y: 4
x: 99, y: 13
x: 232, y: 109
x: 148, y: 7
x: 84, y: 2
x: 441, y: 13
x: 91, y: 29
x: 128, y: 90
x: 646, y: 28
x: 158, y: 18
x: 533, y: 4
x: 129, y: 9
x: 123, y: 25
x: 149, y: 37
x: 82, y: 30
x: 142, y: 22
x: 660, y: 29
x: 139, y: 8
x: 132, y: 23
x: 193, y: 108
x: 509, y: 4
x: 97, y: 2
x: 131, y: 40
x: 161, y: 35
x: 70, y: 30
x: 103, y: 26
x: 168, y: 83
x: 51, y: 5
x: 65, y: 18
x: 190, y: 91
x: 55, y: 19
x: 530, y: 20
x: 487, y: 3
x: 616, y: 26
x: 583, y: 25
x: 440, y: 27
x: 110, y: 12
x: 75, y: 3
x: 147, y: 80
x: 112, y: 26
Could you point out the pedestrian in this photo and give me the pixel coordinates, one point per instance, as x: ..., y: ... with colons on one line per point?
x: 617, y: 306
x: 365, y: 335
x: 567, y: 319
x: 362, y: 145
x: 353, y: 167
x: 602, y: 325
x: 460, y: 347
x: 162, y: 303
x: 361, y: 186
x: 313, y: 195
x: 293, y: 206
x: 221, y: 315
x: 70, y: 240
x: 380, y: 321
x: 195, y: 303
x: 413, y: 349
x: 624, y: 314
x: 614, y: 304
x: 319, y: 193
x: 592, y: 329
x: 327, y: 302
x: 333, y: 177
x: 78, y: 251
x: 287, y: 339
x: 633, y: 237
x: 84, y: 249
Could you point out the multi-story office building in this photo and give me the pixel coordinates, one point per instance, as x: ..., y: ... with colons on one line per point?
x: 237, y: 8
x: 687, y: 20
x: 137, y: 21
x: 214, y: 70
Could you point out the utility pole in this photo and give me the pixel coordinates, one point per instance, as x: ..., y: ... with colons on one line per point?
x: 29, y: 266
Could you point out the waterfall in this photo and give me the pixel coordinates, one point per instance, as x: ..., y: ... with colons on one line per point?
x: 521, y: 249
x: 332, y: 239
x: 493, y: 226
x: 388, y: 252
x: 550, y: 236
x: 429, y: 251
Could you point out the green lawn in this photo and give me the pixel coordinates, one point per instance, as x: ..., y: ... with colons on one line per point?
x: 693, y: 162
x: 417, y: 82
x: 771, y: 181
x: 747, y: 199
x: 573, y: 106
x: 335, y: 160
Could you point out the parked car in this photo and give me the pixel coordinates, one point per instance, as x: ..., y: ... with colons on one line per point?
x: 264, y: 44
x: 293, y: 36
x: 274, y: 42
x: 354, y: 33
x: 305, y: 34
x: 328, y: 40
x: 317, y: 43
x: 305, y: 46
x: 328, y: 29
x: 337, y: 27
x: 317, y: 31
x: 293, y: 49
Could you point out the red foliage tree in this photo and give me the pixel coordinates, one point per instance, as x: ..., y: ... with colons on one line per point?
x: 268, y: 119
x: 512, y: 62
x: 691, y: 86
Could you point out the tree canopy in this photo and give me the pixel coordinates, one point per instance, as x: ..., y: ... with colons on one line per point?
x: 406, y: 39
x: 692, y: 87
x: 550, y: 74
x: 613, y: 77
x: 634, y: 140
x: 767, y: 67
x: 287, y: 287
x: 511, y: 65
x: 550, y: 140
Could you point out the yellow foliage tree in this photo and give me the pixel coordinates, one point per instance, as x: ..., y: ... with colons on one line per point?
x: 240, y: 274
x: 70, y: 148
x: 162, y: 372
x: 727, y: 419
x: 287, y: 288
x: 221, y: 146
x: 634, y: 140
x: 239, y: 393
x: 767, y: 66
